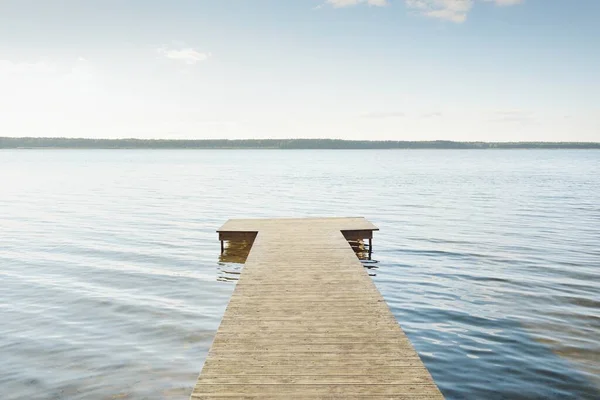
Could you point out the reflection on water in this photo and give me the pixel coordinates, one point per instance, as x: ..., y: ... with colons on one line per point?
x: 361, y: 248
x: 235, y: 251
x: 232, y: 259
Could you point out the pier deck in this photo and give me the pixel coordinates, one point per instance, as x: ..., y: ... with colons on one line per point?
x: 306, y: 321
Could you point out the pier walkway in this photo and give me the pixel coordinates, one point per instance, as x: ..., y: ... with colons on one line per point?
x: 306, y: 321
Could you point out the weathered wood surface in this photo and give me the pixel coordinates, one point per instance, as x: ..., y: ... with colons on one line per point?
x: 306, y: 321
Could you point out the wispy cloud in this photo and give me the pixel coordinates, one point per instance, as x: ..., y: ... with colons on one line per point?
x: 186, y: 55
x: 505, y: 2
x: 451, y: 10
x: 515, y: 116
x: 432, y: 114
x: 43, y: 69
x: 384, y: 115
x: 350, y: 3
x: 11, y: 67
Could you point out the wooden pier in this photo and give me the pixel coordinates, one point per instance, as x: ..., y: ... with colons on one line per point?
x: 306, y: 321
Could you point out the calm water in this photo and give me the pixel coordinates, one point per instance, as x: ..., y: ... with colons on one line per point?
x: 109, y: 267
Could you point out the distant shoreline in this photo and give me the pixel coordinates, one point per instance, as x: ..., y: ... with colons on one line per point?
x: 275, y: 144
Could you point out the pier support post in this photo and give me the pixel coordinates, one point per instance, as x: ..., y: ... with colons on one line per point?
x: 370, y: 247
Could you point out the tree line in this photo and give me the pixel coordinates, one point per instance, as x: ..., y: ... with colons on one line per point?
x: 73, y: 143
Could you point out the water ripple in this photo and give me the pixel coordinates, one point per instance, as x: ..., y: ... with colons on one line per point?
x: 110, y: 277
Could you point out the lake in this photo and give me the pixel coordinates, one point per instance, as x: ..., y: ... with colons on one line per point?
x: 110, y: 279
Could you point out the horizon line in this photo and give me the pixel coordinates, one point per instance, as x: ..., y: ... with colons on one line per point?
x: 277, y: 144
x: 67, y: 138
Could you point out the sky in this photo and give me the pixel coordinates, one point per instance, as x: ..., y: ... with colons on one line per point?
x: 469, y: 70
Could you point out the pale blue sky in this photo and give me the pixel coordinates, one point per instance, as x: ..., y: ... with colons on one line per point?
x: 372, y: 69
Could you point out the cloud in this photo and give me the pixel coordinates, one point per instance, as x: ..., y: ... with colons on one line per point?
x: 11, y: 67
x: 46, y: 69
x: 515, y: 116
x: 185, y: 55
x: 383, y: 115
x: 433, y: 114
x: 505, y: 2
x: 350, y: 3
x: 451, y: 10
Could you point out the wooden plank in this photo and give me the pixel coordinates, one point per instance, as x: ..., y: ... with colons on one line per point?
x: 306, y: 321
x: 314, y: 224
